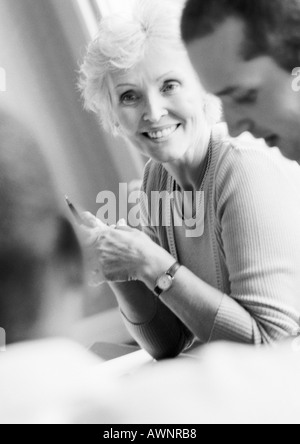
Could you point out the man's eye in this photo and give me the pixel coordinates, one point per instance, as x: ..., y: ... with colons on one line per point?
x: 170, y: 87
x: 129, y: 98
x: 249, y: 98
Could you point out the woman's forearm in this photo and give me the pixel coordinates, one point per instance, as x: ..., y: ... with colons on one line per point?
x: 156, y: 328
x: 198, y: 306
x: 135, y: 300
x: 193, y: 301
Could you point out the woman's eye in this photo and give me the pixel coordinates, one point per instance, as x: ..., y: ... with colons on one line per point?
x: 129, y: 98
x: 249, y: 98
x: 171, y: 87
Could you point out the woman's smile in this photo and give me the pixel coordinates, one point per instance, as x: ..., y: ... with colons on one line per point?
x: 161, y: 134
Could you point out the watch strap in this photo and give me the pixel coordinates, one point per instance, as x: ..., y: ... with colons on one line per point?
x: 157, y: 290
x: 173, y: 270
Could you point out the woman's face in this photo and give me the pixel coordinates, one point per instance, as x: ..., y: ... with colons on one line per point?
x: 159, y: 105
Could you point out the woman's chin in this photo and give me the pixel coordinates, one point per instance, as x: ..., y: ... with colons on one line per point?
x: 166, y: 153
x: 167, y: 157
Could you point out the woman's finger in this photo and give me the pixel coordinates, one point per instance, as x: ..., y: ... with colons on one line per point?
x: 124, y: 228
x: 88, y: 236
x: 89, y: 219
x: 92, y: 221
x: 92, y: 236
x: 122, y: 223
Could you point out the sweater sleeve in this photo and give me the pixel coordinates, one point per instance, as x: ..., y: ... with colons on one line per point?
x: 159, y: 331
x: 258, y: 220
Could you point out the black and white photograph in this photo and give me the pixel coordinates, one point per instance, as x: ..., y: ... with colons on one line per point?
x: 149, y: 214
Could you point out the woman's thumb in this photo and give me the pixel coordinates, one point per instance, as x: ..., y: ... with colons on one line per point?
x: 91, y: 221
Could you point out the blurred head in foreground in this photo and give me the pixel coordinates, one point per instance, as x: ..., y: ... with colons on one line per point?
x: 247, y: 53
x: 41, y: 273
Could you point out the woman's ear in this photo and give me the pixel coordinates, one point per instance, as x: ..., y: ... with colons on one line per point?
x: 213, y: 109
x: 117, y: 130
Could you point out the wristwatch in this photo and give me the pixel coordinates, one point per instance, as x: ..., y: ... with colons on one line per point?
x: 165, y: 282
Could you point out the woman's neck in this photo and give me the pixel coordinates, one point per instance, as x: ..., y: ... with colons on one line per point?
x: 188, y: 170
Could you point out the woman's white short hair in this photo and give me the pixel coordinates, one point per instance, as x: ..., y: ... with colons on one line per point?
x: 121, y: 43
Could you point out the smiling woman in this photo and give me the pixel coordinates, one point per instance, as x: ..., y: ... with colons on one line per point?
x: 236, y: 280
x: 167, y: 95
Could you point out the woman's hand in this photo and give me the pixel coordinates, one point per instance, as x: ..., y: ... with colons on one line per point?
x: 129, y: 254
x: 121, y: 253
x: 92, y: 229
x: 124, y: 253
x: 90, y: 233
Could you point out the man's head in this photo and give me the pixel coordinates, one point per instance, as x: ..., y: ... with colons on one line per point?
x: 245, y: 52
x: 40, y: 258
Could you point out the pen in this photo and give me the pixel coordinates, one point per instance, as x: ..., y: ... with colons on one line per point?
x: 75, y: 213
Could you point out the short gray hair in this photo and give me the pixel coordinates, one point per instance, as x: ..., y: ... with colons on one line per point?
x: 120, y: 44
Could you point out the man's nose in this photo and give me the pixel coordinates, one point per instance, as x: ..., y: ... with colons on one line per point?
x: 236, y: 121
x: 155, y: 109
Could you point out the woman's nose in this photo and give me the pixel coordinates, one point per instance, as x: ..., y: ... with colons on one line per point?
x: 155, y: 110
x: 237, y: 123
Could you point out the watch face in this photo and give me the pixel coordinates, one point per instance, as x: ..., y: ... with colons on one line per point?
x: 165, y: 282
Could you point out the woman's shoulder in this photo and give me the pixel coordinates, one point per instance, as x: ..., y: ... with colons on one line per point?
x: 250, y: 155
x: 231, y: 149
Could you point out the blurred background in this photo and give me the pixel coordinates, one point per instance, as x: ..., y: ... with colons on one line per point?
x: 42, y: 43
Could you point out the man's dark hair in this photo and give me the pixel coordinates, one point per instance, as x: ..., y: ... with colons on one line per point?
x: 34, y: 236
x: 272, y: 27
